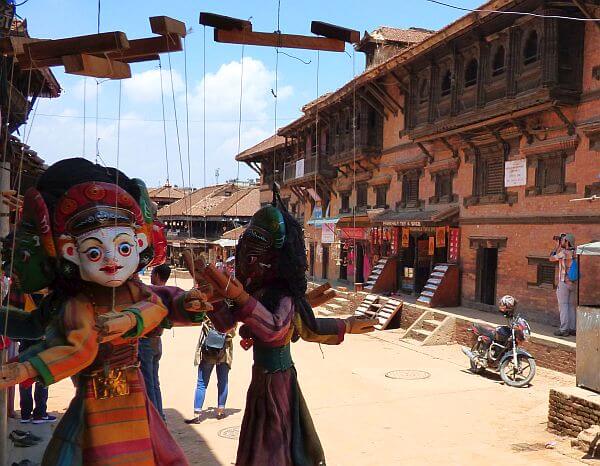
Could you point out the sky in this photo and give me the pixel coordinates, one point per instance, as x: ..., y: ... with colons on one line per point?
x: 57, y: 128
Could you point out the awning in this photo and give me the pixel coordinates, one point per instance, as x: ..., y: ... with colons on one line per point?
x: 322, y: 221
x: 225, y: 243
x: 430, y: 216
x: 589, y: 249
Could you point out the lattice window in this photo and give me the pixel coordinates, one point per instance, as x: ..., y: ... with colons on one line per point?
x: 345, y: 203
x: 550, y: 175
x: 443, y: 187
x: 545, y: 274
x: 410, y: 189
x: 530, y: 51
x: 490, y: 175
x: 498, y: 61
x: 471, y: 73
x: 381, y: 196
x: 361, y: 196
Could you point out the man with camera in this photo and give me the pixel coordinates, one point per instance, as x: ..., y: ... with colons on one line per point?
x: 566, y: 290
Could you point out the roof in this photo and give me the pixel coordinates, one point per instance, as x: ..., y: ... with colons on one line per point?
x: 409, y: 217
x: 225, y: 200
x: 167, y: 192
x: 234, y: 234
x: 390, y: 34
x: 271, y: 143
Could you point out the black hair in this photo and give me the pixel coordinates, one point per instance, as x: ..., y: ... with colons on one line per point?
x: 163, y: 271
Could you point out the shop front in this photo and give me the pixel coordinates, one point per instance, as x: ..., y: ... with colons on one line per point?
x: 355, y: 256
x: 416, y: 241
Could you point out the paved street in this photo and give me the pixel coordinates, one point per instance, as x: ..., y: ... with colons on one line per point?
x: 364, y: 417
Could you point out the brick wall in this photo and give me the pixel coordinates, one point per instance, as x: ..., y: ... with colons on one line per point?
x: 569, y: 414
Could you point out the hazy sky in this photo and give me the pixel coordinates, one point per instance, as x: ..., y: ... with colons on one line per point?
x: 57, y: 131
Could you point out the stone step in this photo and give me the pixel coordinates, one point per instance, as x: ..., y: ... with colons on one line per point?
x: 427, y: 293
x: 333, y: 306
x: 324, y: 312
x: 411, y: 341
x: 435, y: 323
x: 429, y: 325
x: 434, y: 281
x: 431, y: 287
x: 437, y: 274
x: 424, y: 299
x: 441, y: 268
x: 420, y: 334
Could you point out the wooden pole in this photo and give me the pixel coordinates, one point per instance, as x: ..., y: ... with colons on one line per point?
x: 272, y: 39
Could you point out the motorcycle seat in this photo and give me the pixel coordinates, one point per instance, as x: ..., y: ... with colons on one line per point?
x: 484, y: 330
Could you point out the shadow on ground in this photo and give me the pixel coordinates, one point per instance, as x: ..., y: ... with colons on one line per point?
x: 211, y: 413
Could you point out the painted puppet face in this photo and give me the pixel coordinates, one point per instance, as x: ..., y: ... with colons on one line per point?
x: 106, y: 256
x: 31, y: 262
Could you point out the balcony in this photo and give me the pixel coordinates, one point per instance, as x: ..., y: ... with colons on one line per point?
x: 368, y: 143
x: 304, y: 169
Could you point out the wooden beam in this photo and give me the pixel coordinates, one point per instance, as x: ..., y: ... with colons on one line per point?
x: 144, y: 49
x: 273, y: 39
x: 334, y: 32
x: 375, y: 107
x: 565, y: 120
x: 399, y: 82
x: 226, y: 23
x: 388, y: 96
x: 450, y: 147
x: 391, y: 107
x: 96, y: 67
x: 520, y: 125
x: 164, y: 26
x: 253, y: 167
x: 344, y: 174
x: 587, y: 13
x: 425, y: 151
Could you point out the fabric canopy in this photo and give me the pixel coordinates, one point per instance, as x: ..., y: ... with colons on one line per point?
x: 589, y: 249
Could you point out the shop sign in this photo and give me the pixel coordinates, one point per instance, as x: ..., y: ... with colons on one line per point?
x: 299, y: 168
x: 328, y: 233
x: 353, y: 233
x: 317, y: 212
x: 402, y: 223
x: 454, y: 245
x: 515, y: 173
x: 431, y: 249
x: 405, y: 237
x: 440, y: 237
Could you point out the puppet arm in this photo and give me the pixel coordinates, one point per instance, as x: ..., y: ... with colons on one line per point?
x: 185, y: 307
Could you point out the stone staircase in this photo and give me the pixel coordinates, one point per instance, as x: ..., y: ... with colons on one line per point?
x: 344, y: 303
x: 375, y: 273
x: 431, y: 328
x: 441, y: 289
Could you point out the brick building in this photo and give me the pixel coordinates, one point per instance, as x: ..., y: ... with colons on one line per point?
x: 464, y: 148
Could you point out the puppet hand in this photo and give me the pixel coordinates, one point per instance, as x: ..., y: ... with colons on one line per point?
x: 114, y: 324
x: 320, y: 296
x: 196, y: 268
x: 196, y: 301
x: 357, y: 325
x: 14, y: 373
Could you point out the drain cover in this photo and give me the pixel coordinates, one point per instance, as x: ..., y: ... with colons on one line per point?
x: 408, y: 375
x: 232, y: 433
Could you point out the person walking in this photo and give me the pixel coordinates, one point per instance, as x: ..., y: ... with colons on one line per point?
x: 150, y: 347
x: 214, y: 349
x: 566, y: 290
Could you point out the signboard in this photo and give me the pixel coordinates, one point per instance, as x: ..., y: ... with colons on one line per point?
x: 353, y: 233
x: 317, y: 212
x: 440, y: 237
x: 431, y: 249
x: 299, y: 168
x: 454, y: 245
x: 405, y: 237
x: 328, y: 233
x: 402, y: 223
x: 515, y: 173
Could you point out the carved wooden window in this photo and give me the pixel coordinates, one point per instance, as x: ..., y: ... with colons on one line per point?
x: 381, y: 196
x: 471, y: 73
x: 446, y: 83
x: 545, y: 274
x: 498, y: 61
x: 550, y: 175
x: 410, y: 189
x: 345, y: 203
x: 530, y: 51
x: 361, y: 196
x: 424, y: 91
x: 490, y: 175
x: 443, y: 187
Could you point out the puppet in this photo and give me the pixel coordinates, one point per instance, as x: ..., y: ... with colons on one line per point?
x: 268, y: 294
x: 89, y: 229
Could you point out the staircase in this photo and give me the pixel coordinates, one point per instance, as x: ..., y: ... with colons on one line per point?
x: 442, y: 288
x: 431, y: 328
x: 374, y: 282
x: 385, y: 310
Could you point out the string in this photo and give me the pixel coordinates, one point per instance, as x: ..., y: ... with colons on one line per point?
x: 278, y: 31
x: 239, y: 144
x: 354, y: 160
x: 316, y: 169
x: 204, y: 113
x: 84, y: 113
x: 114, y: 290
x: 187, y: 131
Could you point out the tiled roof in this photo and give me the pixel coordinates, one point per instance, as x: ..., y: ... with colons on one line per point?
x: 408, y: 36
x: 270, y: 143
x: 234, y: 234
x: 226, y: 200
x: 167, y: 192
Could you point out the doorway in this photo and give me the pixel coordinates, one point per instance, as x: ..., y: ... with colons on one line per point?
x: 325, y: 262
x: 360, y: 262
x: 344, y: 261
x: 487, y: 271
x: 311, y: 254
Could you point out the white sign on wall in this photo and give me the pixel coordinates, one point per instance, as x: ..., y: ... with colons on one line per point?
x: 515, y: 173
x: 299, y: 168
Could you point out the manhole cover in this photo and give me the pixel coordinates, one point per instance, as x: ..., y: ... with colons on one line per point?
x: 523, y: 447
x: 232, y: 433
x: 408, y: 375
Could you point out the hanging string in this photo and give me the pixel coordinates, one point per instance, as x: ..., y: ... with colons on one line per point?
x: 84, y: 113
x: 275, y: 93
x: 204, y: 112
x: 164, y: 120
x: 114, y: 290
x: 239, y: 142
x: 187, y: 132
x: 97, y: 106
x: 354, y: 159
x: 316, y: 169
x: 5, y: 130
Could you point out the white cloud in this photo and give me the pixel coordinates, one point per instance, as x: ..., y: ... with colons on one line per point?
x: 145, y: 87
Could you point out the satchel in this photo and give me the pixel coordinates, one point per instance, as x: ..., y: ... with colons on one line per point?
x: 214, y: 340
x: 573, y: 272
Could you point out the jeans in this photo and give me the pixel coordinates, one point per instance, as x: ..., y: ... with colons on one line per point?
x: 150, y: 351
x: 567, y: 305
x: 41, y: 398
x: 204, y: 372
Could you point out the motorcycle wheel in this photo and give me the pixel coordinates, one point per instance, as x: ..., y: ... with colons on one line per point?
x: 474, y: 367
x: 519, y: 376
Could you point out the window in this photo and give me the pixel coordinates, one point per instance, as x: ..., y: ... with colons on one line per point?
x: 446, y: 83
x: 471, y: 73
x: 443, y: 187
x: 545, y: 274
x: 357, y: 122
x: 381, y: 197
x: 530, y: 52
x: 550, y: 175
x: 424, y: 91
x: 410, y: 189
x: 498, y: 62
x: 345, y: 203
x: 361, y: 196
x: 490, y: 175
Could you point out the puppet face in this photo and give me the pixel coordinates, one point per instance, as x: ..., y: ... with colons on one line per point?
x: 106, y: 256
x: 31, y: 261
x: 255, y: 265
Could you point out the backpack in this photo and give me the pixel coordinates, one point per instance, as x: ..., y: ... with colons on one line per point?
x: 214, y: 343
x: 573, y: 272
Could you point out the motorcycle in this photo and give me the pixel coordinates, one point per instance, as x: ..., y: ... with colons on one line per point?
x: 498, y: 348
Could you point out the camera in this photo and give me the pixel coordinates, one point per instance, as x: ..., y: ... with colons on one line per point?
x: 559, y: 237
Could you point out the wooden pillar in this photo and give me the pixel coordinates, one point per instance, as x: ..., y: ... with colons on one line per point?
x: 549, y: 49
x: 433, y: 87
x: 513, y: 62
x: 456, y: 82
x: 484, y: 58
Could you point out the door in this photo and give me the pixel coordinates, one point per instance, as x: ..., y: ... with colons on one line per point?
x: 344, y: 261
x: 311, y: 254
x: 487, y: 271
x: 325, y: 261
x: 360, y: 262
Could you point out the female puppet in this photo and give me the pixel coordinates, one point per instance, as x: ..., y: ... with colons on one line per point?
x: 268, y: 296
x: 95, y: 228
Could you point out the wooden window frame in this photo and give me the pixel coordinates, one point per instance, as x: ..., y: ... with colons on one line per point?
x: 498, y: 71
x: 469, y: 83
x: 362, y: 207
x: 437, y: 178
x: 378, y: 189
x: 540, y: 188
x: 528, y: 60
x: 345, y: 196
x: 406, y: 199
x: 541, y: 263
